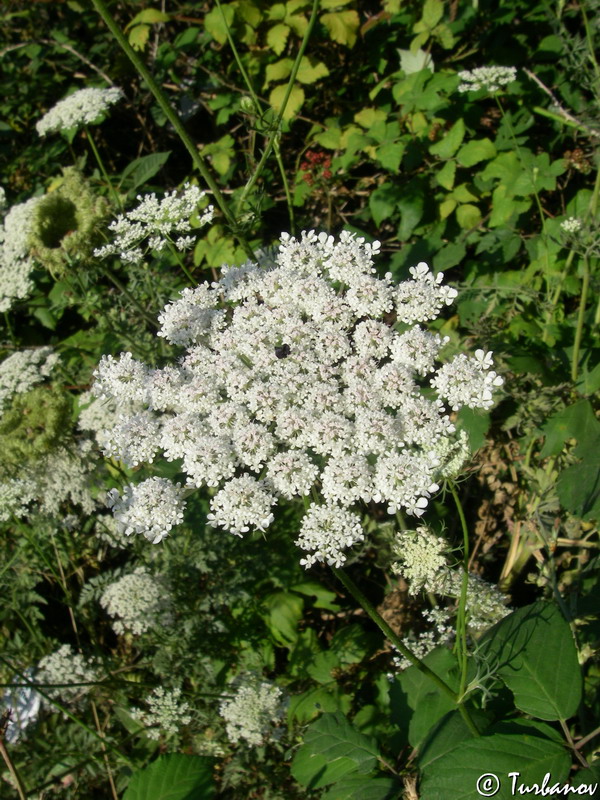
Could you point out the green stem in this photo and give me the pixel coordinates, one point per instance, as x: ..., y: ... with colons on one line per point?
x: 177, y: 124
x: 182, y: 266
x: 580, y: 318
x: 273, y: 139
x: 360, y: 598
x: 111, y: 189
x: 461, y: 617
x: 126, y: 293
x: 19, y: 785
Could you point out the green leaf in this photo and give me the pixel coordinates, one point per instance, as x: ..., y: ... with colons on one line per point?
x: 327, y: 4
x: 382, y: 202
x: 173, y: 777
x: 306, y: 706
x: 448, y: 146
x: 310, y: 70
x: 138, y: 36
x: 149, y: 16
x: 333, y: 748
x: 342, y: 26
x: 142, y: 169
x: 574, y: 422
x: 284, y: 611
x: 294, y: 103
x: 324, y: 597
x: 468, y: 216
x: 455, y: 775
x: 533, y: 652
x: 414, y: 61
x: 367, y: 117
x: 360, y: 787
x: 411, y: 205
x: 278, y: 71
x: 216, y: 26
x: 276, y: 39
x: 433, y: 11
x: 474, y: 152
x: 475, y: 423
x: 578, y: 486
x: 448, y: 732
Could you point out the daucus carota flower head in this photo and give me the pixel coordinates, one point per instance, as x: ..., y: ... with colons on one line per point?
x: 489, y: 78
x: 422, y: 556
x: 65, y: 666
x: 167, y: 713
x: 150, y: 508
x: 254, y: 710
x: 16, y: 264
x: 137, y: 602
x: 154, y: 224
x: 83, y: 107
x: 302, y: 374
x: 23, y: 369
x: 571, y: 225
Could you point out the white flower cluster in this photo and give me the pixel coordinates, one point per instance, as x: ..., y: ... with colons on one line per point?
x: 83, y: 107
x: 251, y: 714
x: 61, y: 476
x: 571, y: 225
x: 422, y: 556
x: 308, y: 373
x: 23, y: 369
x: 440, y: 632
x: 151, y: 508
x: 138, y: 602
x: 65, y: 666
x: 166, y: 713
x: 15, y: 263
x: 154, y: 223
x: 489, y: 78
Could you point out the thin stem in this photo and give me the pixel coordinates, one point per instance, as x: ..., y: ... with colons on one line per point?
x: 19, y: 785
x: 461, y: 619
x: 179, y: 260
x: 582, y: 742
x: 126, y: 293
x: 274, y: 136
x: 111, y: 188
x: 173, y: 118
x: 572, y: 744
x: 580, y: 318
x: 360, y: 598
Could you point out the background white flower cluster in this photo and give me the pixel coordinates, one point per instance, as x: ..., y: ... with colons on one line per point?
x: 307, y: 375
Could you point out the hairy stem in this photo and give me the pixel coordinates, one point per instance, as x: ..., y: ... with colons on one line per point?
x: 360, y: 598
x: 461, y: 618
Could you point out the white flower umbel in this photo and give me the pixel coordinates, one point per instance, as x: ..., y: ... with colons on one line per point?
x: 167, y: 713
x: 65, y: 666
x: 571, y: 225
x: 302, y: 375
x: 421, y: 555
x: 154, y: 223
x: 15, y: 263
x: 138, y: 602
x: 489, y: 78
x: 83, y: 107
x: 23, y: 369
x: 150, y: 508
x: 253, y: 712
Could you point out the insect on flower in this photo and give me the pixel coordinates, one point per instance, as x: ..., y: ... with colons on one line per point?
x: 283, y: 351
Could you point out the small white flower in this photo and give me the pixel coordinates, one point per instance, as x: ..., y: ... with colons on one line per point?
x: 80, y: 108
x: 490, y: 78
x: 241, y: 504
x: 138, y: 602
x: 150, y: 508
x: 328, y: 530
x: 166, y: 713
x: 571, y: 225
x: 254, y: 710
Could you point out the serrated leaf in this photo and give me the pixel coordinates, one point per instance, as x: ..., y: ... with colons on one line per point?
x: 138, y: 36
x: 578, y: 486
x: 310, y: 70
x: 474, y: 152
x: 468, y: 216
x: 278, y: 71
x: 277, y: 37
x: 361, y: 787
x: 294, y: 103
x: 533, y: 652
x: 574, y: 422
x: 390, y: 155
x: 142, y: 169
x: 173, y: 777
x: 456, y: 774
x: 415, y: 60
x: 216, y: 25
x: 447, y: 206
x: 367, y: 117
x: 333, y: 748
x: 383, y: 201
x: 149, y: 16
x: 445, y: 177
x: 342, y: 26
x: 452, y: 140
x: 433, y: 11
